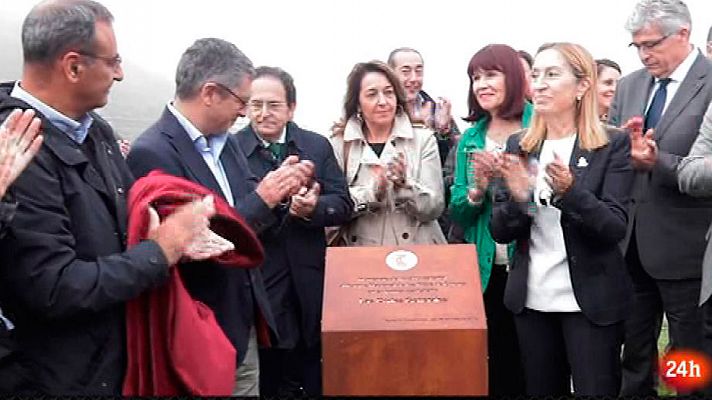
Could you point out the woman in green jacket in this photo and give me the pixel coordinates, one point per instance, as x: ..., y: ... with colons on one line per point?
x: 497, y: 109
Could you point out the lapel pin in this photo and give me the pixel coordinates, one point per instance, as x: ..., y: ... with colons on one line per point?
x: 582, y: 162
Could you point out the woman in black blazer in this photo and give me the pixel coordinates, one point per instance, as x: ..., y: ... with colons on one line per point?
x: 563, y: 198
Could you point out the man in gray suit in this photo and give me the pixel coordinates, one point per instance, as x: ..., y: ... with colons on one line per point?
x: 666, y: 229
x: 695, y: 179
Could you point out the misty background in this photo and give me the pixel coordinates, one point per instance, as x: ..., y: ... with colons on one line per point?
x: 319, y: 41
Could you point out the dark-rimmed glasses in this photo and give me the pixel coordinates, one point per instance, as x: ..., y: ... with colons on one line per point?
x: 233, y: 94
x: 648, y: 45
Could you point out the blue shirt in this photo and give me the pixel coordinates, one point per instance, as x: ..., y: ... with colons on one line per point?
x: 76, y: 130
x: 210, y: 148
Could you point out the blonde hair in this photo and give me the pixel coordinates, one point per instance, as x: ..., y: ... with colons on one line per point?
x: 591, y: 134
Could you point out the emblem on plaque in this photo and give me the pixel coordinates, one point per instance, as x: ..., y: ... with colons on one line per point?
x: 401, y: 260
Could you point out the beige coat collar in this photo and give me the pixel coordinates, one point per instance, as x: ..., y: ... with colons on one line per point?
x: 402, y: 128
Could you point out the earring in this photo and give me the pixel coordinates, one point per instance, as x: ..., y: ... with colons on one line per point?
x: 359, y: 116
x: 578, y: 98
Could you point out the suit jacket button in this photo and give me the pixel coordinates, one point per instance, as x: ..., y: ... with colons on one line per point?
x: 120, y: 190
x: 153, y: 260
x: 330, y: 210
x: 405, y: 235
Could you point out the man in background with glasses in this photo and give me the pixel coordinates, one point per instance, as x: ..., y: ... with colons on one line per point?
x: 666, y: 229
x: 191, y: 140
x: 295, y: 245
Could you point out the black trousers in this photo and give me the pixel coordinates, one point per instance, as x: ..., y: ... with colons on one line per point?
x: 506, y: 375
x: 707, y: 338
x: 651, y: 298
x: 13, y: 372
x: 290, y: 372
x: 559, y: 346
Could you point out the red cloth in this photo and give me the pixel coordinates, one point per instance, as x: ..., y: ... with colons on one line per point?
x: 175, y: 345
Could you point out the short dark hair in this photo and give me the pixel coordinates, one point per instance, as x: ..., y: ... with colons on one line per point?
x: 526, y: 57
x: 394, y: 53
x: 604, y: 62
x: 282, y: 76
x: 502, y: 58
x: 353, y: 86
x: 210, y: 59
x: 54, y: 27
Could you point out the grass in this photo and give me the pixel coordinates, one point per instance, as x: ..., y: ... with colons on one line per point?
x: 664, y: 390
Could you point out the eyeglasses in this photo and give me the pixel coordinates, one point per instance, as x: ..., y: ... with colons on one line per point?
x: 648, y: 45
x: 113, y: 62
x: 263, y: 106
x: 242, y: 101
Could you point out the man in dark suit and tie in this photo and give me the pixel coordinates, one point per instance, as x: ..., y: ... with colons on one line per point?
x: 665, y: 241
x: 191, y: 140
x: 295, y: 247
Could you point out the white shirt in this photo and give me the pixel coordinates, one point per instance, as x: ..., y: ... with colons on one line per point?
x: 210, y: 150
x: 676, y: 78
x: 281, y: 140
x: 549, y: 286
x: 501, y: 257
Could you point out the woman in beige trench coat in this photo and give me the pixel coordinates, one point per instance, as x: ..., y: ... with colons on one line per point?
x: 392, y: 166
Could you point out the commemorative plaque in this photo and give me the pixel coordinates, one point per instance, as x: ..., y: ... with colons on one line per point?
x: 405, y: 320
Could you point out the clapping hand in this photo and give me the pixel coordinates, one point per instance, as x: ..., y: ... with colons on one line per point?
x: 396, y: 170
x: 207, y: 244
x: 182, y: 228
x: 442, y: 118
x: 285, y: 181
x: 421, y: 113
x: 380, y: 181
x: 337, y: 127
x: 304, y: 202
x: 20, y: 140
x: 516, y: 177
x: 559, y: 176
x: 643, y: 149
x: 484, y: 165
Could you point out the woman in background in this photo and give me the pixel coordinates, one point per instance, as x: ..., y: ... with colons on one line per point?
x: 609, y: 72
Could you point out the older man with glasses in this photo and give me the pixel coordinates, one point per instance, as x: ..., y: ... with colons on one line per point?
x: 295, y: 246
x: 666, y: 229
